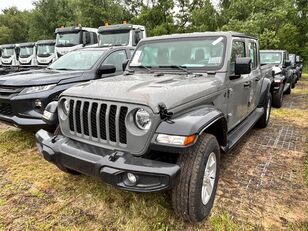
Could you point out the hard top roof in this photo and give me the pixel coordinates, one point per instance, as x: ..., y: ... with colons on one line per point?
x: 8, y: 46
x: 119, y: 27
x: 273, y: 50
x: 27, y: 44
x: 200, y: 34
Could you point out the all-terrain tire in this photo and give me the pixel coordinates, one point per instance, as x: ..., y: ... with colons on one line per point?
x: 264, y: 119
x: 277, y: 98
x: 186, y: 195
x: 61, y: 167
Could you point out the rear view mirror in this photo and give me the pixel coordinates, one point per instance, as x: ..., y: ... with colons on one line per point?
x: 242, y: 65
x: 106, y: 69
x: 124, y: 64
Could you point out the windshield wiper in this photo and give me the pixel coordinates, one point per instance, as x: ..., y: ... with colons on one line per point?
x: 63, y: 69
x: 183, y: 68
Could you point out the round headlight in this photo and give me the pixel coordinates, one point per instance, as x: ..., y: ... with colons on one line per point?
x: 66, y: 107
x: 142, y: 119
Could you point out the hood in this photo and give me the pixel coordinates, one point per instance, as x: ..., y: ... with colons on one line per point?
x: 172, y: 90
x: 38, y: 77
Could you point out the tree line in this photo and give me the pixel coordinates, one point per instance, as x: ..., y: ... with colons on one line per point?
x: 279, y: 24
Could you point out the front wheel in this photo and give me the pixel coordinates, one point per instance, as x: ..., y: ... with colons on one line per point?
x: 264, y: 119
x: 193, y: 197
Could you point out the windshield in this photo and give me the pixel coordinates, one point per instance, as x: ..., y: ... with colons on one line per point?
x: 68, y: 39
x: 45, y: 50
x: 113, y: 38
x: 77, y: 60
x: 25, y: 52
x: 205, y: 52
x: 7, y: 52
x: 270, y: 57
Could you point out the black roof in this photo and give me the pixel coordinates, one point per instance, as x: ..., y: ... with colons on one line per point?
x: 28, y: 44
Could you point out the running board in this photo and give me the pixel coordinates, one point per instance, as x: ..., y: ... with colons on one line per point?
x: 237, y: 133
x: 286, y: 86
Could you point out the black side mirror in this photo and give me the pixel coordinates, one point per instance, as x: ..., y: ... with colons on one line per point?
x: 124, y: 64
x: 287, y: 63
x: 242, y: 66
x: 106, y: 69
x: 87, y: 39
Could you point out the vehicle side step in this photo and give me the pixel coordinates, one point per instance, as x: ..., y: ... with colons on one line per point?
x: 236, y: 134
x: 286, y: 86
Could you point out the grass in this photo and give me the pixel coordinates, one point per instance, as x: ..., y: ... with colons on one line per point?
x: 36, y: 195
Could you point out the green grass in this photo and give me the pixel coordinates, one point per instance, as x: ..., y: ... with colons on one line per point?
x: 36, y: 195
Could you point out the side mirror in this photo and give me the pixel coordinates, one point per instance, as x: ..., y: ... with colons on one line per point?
x: 242, y: 66
x: 106, y: 69
x: 137, y: 37
x: 124, y: 64
x: 87, y: 39
x: 287, y: 63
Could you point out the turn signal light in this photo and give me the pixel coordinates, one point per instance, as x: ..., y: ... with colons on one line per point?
x: 175, y: 140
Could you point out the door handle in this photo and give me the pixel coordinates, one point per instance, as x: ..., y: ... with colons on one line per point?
x: 247, y: 84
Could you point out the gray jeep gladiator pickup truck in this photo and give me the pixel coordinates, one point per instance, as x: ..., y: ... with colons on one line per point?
x: 162, y: 125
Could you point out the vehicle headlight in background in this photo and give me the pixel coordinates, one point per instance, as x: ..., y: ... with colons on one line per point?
x: 35, y: 89
x: 143, y: 119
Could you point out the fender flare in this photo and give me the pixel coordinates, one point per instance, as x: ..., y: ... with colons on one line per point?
x: 265, y: 90
x: 195, y: 122
x: 50, y: 115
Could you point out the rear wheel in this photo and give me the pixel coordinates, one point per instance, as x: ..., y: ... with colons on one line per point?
x: 278, y: 97
x: 194, y: 195
x: 264, y: 119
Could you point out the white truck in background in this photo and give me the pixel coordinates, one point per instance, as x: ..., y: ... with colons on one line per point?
x: 120, y: 35
x: 9, y: 55
x: 45, y: 52
x: 72, y: 38
x: 27, y: 54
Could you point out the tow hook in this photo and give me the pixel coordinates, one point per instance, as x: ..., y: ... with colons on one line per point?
x: 114, y: 156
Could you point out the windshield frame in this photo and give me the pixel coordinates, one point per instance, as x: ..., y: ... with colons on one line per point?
x: 102, y: 55
x: 57, y: 44
x: 272, y: 52
x: 101, y: 35
x: 201, y: 69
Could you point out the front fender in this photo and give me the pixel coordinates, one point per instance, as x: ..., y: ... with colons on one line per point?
x: 191, y: 122
x: 265, y: 90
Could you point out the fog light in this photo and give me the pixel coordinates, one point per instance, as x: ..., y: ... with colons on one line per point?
x: 38, y: 104
x: 132, y: 178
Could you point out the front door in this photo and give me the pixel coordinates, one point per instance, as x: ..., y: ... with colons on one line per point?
x: 238, y: 88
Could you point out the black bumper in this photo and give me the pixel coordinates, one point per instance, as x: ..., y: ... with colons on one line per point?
x: 112, y: 169
x: 24, y: 123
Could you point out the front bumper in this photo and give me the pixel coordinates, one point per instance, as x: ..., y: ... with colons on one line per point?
x: 110, y: 166
x: 24, y: 123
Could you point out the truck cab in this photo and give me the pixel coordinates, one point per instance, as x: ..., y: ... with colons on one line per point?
x: 72, y: 38
x: 27, y: 53
x: 9, y: 55
x: 120, y: 35
x: 45, y: 52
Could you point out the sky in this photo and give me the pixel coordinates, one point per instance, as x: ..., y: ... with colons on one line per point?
x: 27, y: 4
x: 21, y: 4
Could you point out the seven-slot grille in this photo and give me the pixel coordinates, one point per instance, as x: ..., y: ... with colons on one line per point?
x: 99, y: 121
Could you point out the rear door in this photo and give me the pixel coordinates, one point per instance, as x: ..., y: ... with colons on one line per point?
x: 254, y: 76
x: 238, y: 92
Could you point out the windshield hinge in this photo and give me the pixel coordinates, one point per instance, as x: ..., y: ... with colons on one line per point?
x: 164, y: 113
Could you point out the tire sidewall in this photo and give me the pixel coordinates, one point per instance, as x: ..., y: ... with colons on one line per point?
x: 201, y: 210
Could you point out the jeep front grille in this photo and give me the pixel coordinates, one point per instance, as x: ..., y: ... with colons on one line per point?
x: 98, y: 121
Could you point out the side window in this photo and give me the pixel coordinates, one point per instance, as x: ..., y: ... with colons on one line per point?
x: 253, y: 55
x: 238, y: 50
x: 116, y: 58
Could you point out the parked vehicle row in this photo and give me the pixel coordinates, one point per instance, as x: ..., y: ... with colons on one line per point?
x: 25, y: 56
x: 153, y: 117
